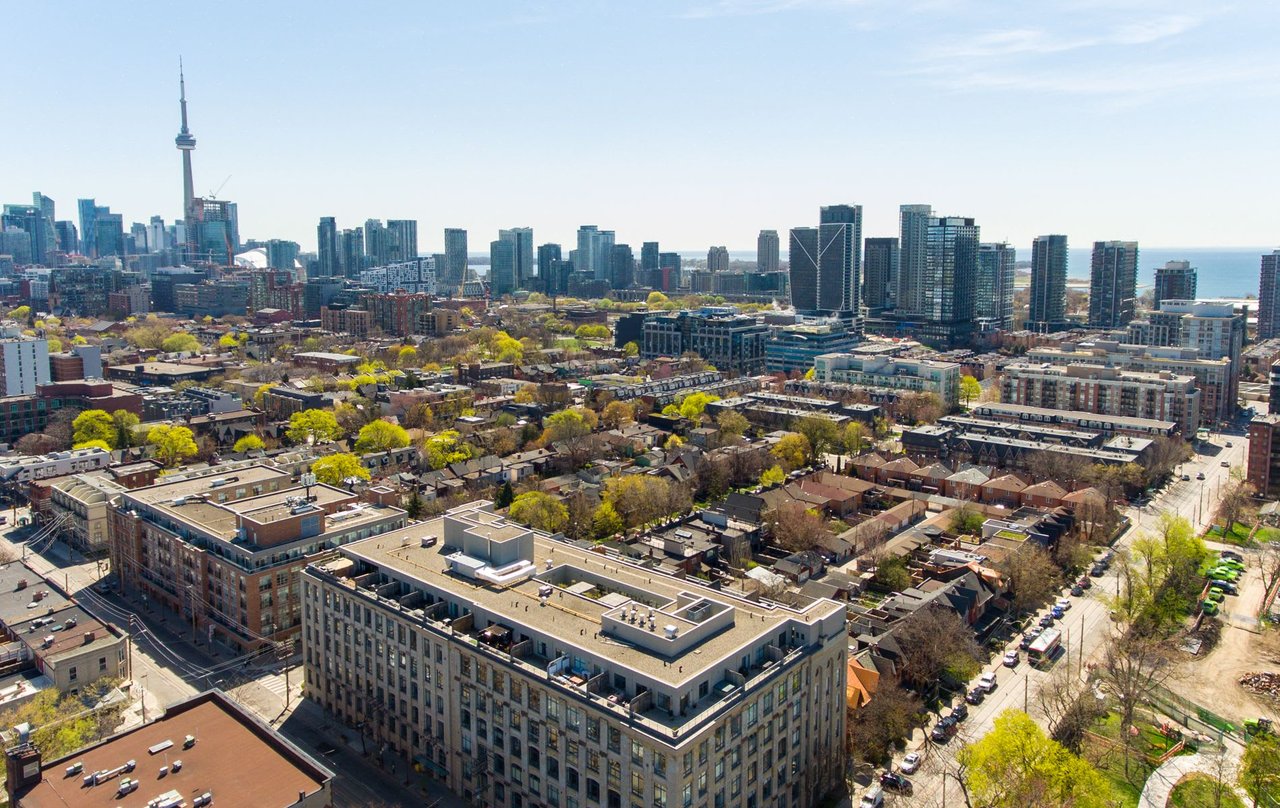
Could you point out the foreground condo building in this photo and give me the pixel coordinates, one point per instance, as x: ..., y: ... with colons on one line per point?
x: 524, y: 671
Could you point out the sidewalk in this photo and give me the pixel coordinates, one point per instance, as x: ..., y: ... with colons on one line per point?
x: 1155, y: 794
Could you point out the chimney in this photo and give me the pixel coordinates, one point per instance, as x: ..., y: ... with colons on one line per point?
x: 22, y: 765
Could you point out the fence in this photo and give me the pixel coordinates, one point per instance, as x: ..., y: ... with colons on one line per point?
x: 1194, y: 717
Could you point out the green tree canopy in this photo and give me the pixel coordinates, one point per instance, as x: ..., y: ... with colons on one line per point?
x: 792, y: 451
x: 1017, y: 766
x: 93, y: 444
x: 181, y: 341
x: 822, y: 433
x: 335, y: 468
x: 318, y: 425
x: 446, y: 447
x: 970, y: 389
x: 540, y: 511
x: 380, y: 436
x: 124, y: 422
x: 605, y: 522
x: 693, y: 405
x: 248, y: 443
x: 772, y: 476
x: 1260, y: 768
x: 732, y: 424
x: 94, y: 425
x: 173, y: 444
x: 565, y: 425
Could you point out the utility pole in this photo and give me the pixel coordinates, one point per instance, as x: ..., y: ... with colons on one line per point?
x: 1026, y: 686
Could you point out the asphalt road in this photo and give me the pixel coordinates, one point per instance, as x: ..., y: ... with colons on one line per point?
x: 1085, y: 627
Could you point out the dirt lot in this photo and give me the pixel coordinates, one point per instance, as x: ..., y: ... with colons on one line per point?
x: 1212, y: 681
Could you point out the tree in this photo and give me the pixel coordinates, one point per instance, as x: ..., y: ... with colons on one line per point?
x: 592, y: 331
x: 655, y: 300
x: 617, y: 413
x: 892, y: 573
x: 180, y: 342
x: 792, y: 451
x: 1260, y: 768
x: 381, y: 436
x: 1068, y: 703
x: 631, y: 349
x: 573, y: 430
x: 334, y: 469
x: 38, y: 443
x: 822, y: 433
x: 413, y: 506
x: 540, y: 511
x: 732, y: 424
x: 693, y: 405
x: 934, y: 641
x: 445, y: 448
x: 855, y: 437
x: 967, y: 521
x: 772, y: 476
x: 1237, y: 498
x: 527, y: 394
x: 605, y: 521
x: 505, y: 495
x: 1017, y: 766
x: 313, y: 426
x: 581, y: 508
x: 1031, y: 576
x: 94, y: 425
x: 93, y: 444
x: 1134, y: 667
x: 124, y: 422
x: 970, y: 389
x: 406, y: 356
x: 794, y: 528
x: 873, y: 729
x: 172, y: 444
x: 249, y: 443
x: 638, y: 498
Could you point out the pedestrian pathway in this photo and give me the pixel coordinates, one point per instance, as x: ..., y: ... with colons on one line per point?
x: 1155, y: 794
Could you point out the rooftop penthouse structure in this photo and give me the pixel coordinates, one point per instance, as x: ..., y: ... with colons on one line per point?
x: 522, y: 668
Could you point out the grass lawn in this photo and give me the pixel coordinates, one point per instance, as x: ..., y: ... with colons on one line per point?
x: 1110, y: 760
x: 1198, y: 790
x: 1238, y: 535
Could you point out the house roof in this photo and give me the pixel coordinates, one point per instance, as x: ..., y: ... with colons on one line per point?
x: 1047, y: 488
x: 1008, y: 482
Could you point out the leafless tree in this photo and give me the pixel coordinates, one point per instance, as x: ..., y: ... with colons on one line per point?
x: 934, y: 640
x: 1069, y: 706
x: 1134, y: 667
x: 1269, y: 564
x: 796, y: 529
x: 1033, y: 577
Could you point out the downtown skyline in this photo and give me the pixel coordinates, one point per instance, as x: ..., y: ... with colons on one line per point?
x: 695, y: 171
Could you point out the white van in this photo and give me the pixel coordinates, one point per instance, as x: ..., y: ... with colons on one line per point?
x: 873, y: 798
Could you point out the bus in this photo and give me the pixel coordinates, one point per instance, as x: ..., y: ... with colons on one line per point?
x: 1045, y: 647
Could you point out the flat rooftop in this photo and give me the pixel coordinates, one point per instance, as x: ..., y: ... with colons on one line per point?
x: 574, y: 618
x: 241, y: 761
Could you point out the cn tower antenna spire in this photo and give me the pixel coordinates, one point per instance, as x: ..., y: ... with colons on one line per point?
x: 186, y: 144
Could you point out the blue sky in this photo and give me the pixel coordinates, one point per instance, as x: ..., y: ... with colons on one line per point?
x: 692, y: 123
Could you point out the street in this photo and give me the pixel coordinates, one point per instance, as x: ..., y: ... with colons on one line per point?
x: 1085, y: 626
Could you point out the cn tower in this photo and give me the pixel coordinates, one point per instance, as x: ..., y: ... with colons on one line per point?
x: 186, y: 144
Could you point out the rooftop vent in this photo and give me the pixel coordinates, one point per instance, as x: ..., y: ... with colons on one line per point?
x: 671, y: 630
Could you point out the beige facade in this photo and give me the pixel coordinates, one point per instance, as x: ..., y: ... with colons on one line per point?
x: 524, y: 671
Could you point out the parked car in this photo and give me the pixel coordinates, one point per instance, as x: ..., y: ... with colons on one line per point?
x: 1098, y: 570
x: 1199, y: 475
x: 944, y: 729
x: 1011, y: 659
x: 987, y: 681
x: 1186, y: 478
x: 892, y: 781
x: 975, y: 696
x: 910, y: 763
x: 1225, y: 586
x: 1064, y: 603
x: 1084, y: 582
x: 1028, y: 638
x: 960, y: 712
x: 1058, y: 612
x: 1209, y: 607
x: 1077, y: 590
x: 1215, y: 596
x: 1046, y: 621
x: 1232, y: 554
x: 872, y: 798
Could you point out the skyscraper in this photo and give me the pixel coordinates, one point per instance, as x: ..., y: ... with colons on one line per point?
x: 993, y: 300
x: 549, y: 275
x: 718, y: 259
x: 351, y: 247
x: 1048, y: 283
x: 949, y: 280
x: 30, y: 220
x: 588, y: 250
x: 1176, y: 280
x: 502, y: 267
x: 186, y: 143
x: 840, y: 260
x: 622, y: 266
x: 767, y: 251
x: 913, y: 223
x: 455, y: 258
x: 282, y: 254
x: 669, y: 265
x: 68, y: 236
x: 603, y: 255
x: 108, y: 233
x: 1113, y: 283
x: 330, y: 260
x: 376, y: 243
x: 1269, y: 297
x: 649, y: 260
x: 47, y: 215
x: 522, y: 238
x: 804, y: 269
x: 402, y: 240
x: 88, y: 228
x: 881, y: 265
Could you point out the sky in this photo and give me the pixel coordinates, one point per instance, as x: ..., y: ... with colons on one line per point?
x: 689, y: 122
